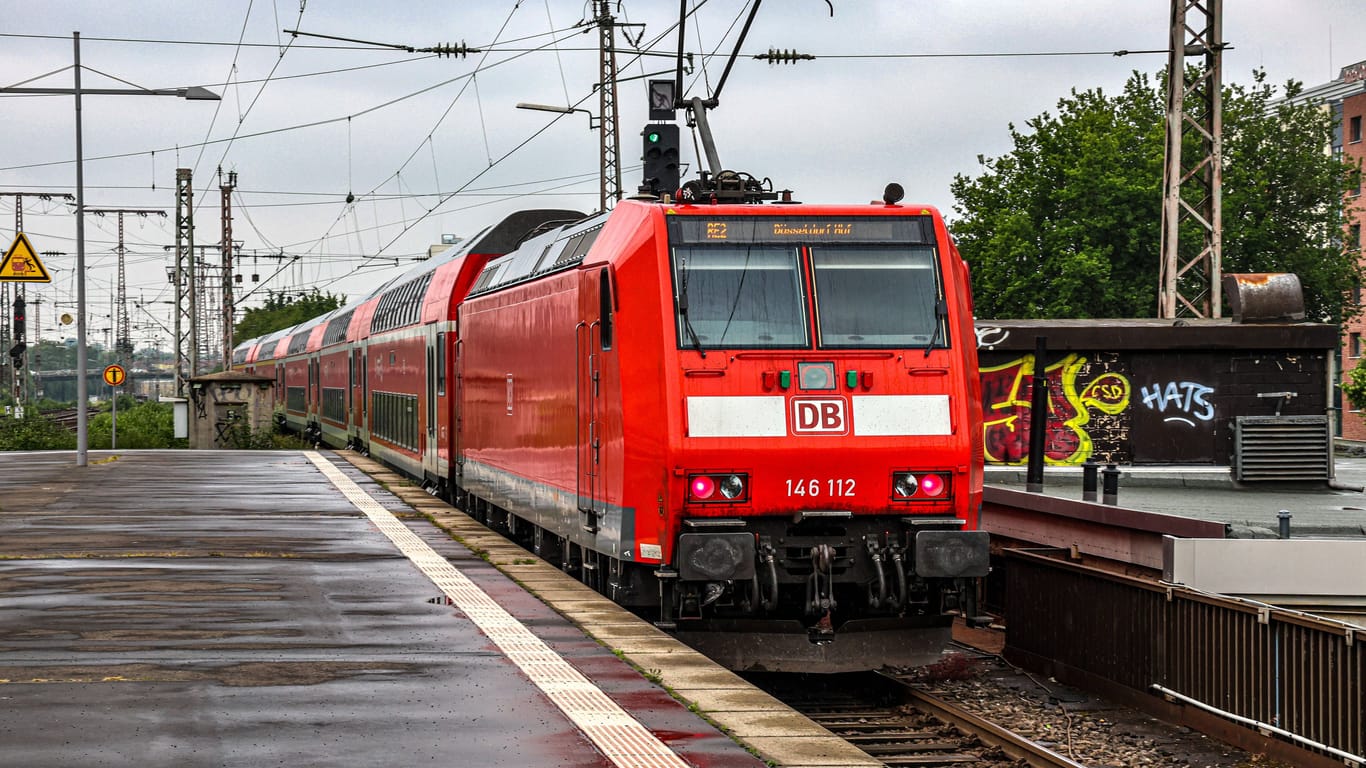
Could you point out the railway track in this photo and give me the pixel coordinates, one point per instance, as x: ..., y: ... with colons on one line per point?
x: 902, y: 726
x: 64, y: 417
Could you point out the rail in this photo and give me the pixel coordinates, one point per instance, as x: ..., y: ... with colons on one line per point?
x: 885, y: 716
x: 1013, y: 744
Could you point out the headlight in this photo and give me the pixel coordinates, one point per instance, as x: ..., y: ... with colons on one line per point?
x: 904, y: 484
x: 922, y: 486
x: 718, y: 487
x: 733, y: 487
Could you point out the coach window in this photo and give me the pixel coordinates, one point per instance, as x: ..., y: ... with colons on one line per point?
x: 441, y: 363
x: 877, y: 297
x: 605, y: 309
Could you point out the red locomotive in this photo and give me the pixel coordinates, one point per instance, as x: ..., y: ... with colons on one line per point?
x: 759, y: 424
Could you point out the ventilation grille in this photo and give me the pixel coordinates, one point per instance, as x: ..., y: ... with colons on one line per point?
x: 1283, y: 448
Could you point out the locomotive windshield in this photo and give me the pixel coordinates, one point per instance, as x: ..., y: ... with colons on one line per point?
x: 877, y: 297
x: 739, y: 297
x: 740, y: 282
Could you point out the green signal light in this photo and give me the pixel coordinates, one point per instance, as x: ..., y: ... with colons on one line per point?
x: 652, y: 137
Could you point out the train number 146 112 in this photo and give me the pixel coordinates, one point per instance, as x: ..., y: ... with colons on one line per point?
x: 827, y: 487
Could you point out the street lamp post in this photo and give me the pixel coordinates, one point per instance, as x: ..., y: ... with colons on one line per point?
x: 82, y: 361
x: 609, y: 189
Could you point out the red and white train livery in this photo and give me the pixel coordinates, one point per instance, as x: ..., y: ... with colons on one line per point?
x: 761, y: 424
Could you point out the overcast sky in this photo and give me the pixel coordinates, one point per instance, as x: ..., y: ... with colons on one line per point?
x: 434, y: 145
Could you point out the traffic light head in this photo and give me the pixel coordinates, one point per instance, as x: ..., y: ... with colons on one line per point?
x: 661, y: 158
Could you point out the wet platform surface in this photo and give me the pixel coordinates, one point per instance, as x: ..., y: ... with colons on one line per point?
x: 235, y: 609
x: 1209, y: 493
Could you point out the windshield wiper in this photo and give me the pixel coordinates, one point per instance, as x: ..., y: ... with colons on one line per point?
x: 683, y: 312
x: 941, y: 311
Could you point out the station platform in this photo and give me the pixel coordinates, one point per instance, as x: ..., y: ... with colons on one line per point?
x: 216, y: 608
x: 1210, y: 493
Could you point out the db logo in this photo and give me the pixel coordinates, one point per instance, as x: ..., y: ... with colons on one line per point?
x: 819, y: 415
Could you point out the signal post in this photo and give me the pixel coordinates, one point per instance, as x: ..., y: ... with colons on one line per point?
x: 114, y: 376
x: 21, y: 264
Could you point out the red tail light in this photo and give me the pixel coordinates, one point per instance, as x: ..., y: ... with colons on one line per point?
x: 703, y: 487
x: 719, y: 487
x: 918, y: 486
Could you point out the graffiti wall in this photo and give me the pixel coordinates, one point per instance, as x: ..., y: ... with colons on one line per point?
x: 1087, y: 403
x: 1142, y: 393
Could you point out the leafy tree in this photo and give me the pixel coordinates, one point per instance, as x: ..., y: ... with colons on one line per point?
x: 1068, y: 224
x: 282, y: 311
x: 1354, y: 387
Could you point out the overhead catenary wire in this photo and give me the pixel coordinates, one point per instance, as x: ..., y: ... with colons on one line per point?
x: 275, y: 131
x: 406, y: 187
x: 243, y: 115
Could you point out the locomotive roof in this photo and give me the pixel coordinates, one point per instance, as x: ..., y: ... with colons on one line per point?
x: 558, y: 248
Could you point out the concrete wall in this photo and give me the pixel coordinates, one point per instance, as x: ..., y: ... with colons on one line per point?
x: 1147, y: 391
x: 1268, y: 568
x: 224, y: 406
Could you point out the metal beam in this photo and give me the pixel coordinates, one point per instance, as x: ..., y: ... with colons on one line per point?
x: 1192, y: 197
x: 123, y: 339
x: 610, y: 150
x: 225, y: 249
x: 186, y: 336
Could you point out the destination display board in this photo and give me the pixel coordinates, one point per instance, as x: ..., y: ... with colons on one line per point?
x: 699, y: 230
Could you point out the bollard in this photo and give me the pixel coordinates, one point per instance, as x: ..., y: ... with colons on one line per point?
x: 1284, y: 518
x: 1110, y: 480
x: 1089, y: 472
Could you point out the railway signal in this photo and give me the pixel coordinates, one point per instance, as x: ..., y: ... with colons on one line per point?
x: 20, y: 320
x: 661, y: 158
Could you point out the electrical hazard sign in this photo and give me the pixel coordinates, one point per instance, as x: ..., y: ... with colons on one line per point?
x: 21, y: 263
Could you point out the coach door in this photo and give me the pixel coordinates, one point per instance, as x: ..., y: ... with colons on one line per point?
x: 593, y: 335
x: 434, y: 362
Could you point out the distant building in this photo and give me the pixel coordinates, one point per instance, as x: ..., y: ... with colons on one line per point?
x: 447, y: 241
x: 1346, y: 98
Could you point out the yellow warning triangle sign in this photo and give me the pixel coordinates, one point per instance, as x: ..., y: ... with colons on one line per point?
x: 21, y: 263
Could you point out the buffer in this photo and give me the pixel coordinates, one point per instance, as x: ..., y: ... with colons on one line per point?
x: 21, y: 263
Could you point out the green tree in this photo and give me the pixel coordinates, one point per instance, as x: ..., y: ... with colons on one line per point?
x: 283, y: 310
x: 1354, y: 386
x: 1068, y: 224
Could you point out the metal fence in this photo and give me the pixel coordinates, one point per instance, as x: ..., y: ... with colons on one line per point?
x: 1271, y: 671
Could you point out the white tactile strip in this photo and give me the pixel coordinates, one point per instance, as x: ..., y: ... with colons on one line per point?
x: 619, y: 736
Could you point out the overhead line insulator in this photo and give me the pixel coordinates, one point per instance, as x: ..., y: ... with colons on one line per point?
x: 784, y: 56
x: 452, y: 50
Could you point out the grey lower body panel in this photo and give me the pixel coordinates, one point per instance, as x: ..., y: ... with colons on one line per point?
x: 858, y: 645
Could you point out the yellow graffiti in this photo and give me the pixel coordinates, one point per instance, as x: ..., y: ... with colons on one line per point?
x: 1006, y: 392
